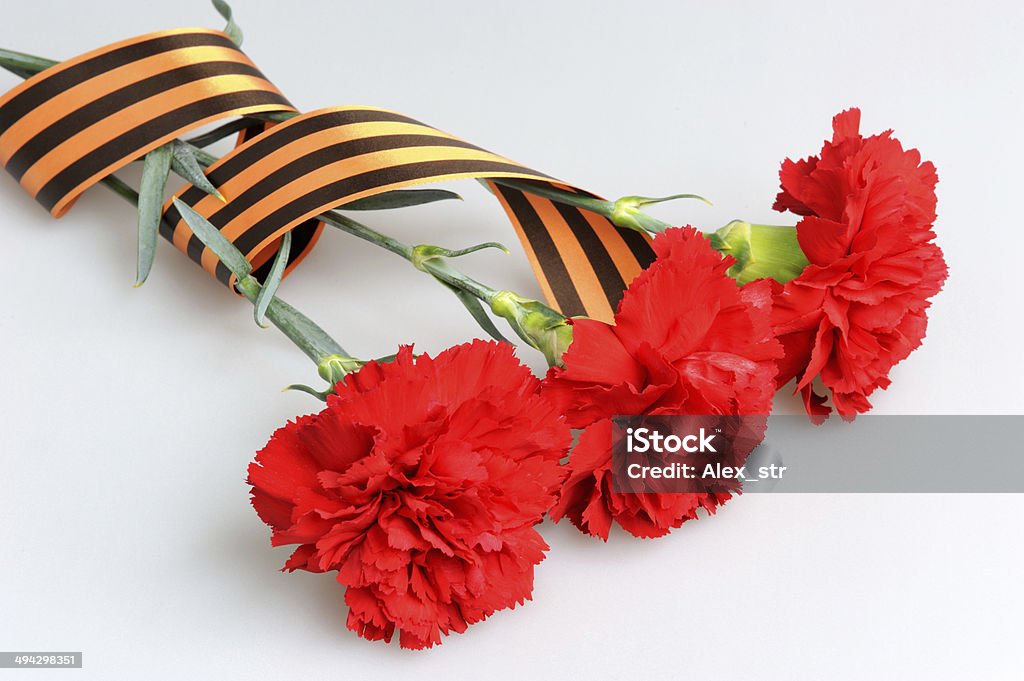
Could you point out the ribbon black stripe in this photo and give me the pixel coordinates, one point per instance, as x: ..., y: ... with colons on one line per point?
x: 544, y: 249
x: 331, y: 194
x: 145, y: 134
x: 604, y: 267
x: 336, y: 192
x: 269, y: 143
x: 76, y: 121
x: 636, y: 242
x: 309, y: 163
x: 52, y: 85
x: 302, y: 237
x: 639, y: 246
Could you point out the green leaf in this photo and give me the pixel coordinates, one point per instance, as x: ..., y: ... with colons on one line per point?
x: 232, y: 29
x: 19, y: 72
x: 302, y: 330
x: 214, y: 240
x: 273, y: 280
x: 302, y: 388
x: 155, y: 170
x: 24, y: 65
x: 185, y: 164
x: 472, y: 304
x: 651, y: 200
x: 400, y: 198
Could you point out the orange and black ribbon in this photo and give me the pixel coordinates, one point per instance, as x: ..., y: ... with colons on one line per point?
x: 70, y: 126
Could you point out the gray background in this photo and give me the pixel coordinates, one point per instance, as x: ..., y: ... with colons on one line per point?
x: 128, y: 417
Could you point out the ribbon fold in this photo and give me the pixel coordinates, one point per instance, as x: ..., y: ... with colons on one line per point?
x: 65, y: 129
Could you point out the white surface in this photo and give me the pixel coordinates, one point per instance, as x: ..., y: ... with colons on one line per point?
x: 128, y: 417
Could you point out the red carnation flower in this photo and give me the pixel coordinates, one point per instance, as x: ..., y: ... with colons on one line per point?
x: 420, y: 483
x: 859, y: 307
x: 686, y: 340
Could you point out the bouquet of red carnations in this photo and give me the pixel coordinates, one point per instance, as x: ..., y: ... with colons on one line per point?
x: 422, y: 480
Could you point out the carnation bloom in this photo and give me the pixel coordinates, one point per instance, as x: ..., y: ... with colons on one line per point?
x: 859, y: 307
x: 686, y: 339
x: 420, y: 483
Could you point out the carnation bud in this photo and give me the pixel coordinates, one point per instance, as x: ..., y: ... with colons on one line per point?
x: 543, y: 328
x: 760, y: 251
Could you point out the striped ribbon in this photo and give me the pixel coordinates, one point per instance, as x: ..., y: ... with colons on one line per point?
x: 67, y: 128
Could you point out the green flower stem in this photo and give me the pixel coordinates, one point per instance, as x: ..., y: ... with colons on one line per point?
x: 300, y: 329
x: 540, y: 326
x: 120, y: 188
x: 314, y: 342
x: 360, y: 230
x: 548, y: 192
x: 438, y: 267
x: 309, y: 337
x: 523, y: 314
x: 623, y: 213
x: 441, y: 270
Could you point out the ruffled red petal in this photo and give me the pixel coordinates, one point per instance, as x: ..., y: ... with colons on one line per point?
x: 420, y: 484
x: 859, y: 308
x: 686, y: 340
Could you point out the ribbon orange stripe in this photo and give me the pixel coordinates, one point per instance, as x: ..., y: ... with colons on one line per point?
x: 65, y: 129
x: 83, y: 94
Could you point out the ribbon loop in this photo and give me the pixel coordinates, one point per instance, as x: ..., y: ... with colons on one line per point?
x: 70, y: 126
x: 283, y: 178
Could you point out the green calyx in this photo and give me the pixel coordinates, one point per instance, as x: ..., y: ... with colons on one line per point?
x: 333, y: 368
x: 537, y: 324
x: 423, y: 253
x: 627, y: 212
x: 760, y: 251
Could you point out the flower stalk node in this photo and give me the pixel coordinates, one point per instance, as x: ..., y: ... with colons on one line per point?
x: 626, y: 212
x: 424, y: 253
x: 333, y: 368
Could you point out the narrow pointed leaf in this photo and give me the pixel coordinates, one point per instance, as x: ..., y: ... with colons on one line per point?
x: 401, y: 198
x: 232, y: 29
x: 479, y: 247
x: 479, y: 314
x: 24, y: 65
x: 302, y: 388
x: 304, y: 332
x: 214, y: 240
x: 649, y: 200
x: 185, y: 164
x: 269, y: 288
x: 19, y: 72
x: 155, y: 170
